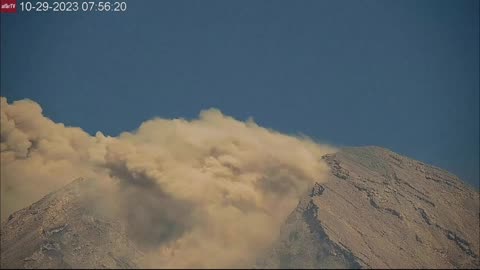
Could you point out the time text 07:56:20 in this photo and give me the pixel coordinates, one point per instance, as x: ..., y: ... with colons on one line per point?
x: 73, y: 6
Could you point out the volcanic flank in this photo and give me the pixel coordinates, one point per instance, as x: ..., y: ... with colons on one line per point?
x: 377, y: 209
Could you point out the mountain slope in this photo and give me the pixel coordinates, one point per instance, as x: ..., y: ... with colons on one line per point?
x: 381, y: 210
x: 65, y: 229
x: 377, y: 209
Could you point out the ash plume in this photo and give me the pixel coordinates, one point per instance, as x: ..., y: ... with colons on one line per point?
x: 208, y: 192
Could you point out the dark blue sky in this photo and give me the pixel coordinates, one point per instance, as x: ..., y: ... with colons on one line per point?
x: 398, y: 74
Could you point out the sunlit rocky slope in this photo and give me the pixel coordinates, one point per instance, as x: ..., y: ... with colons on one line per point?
x: 377, y: 210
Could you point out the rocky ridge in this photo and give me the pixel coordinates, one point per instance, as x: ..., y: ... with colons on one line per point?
x: 65, y: 230
x: 379, y: 209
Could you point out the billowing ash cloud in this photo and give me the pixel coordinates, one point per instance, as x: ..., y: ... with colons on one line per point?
x: 211, y: 192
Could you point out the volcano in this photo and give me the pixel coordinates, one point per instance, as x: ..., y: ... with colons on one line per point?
x: 377, y: 209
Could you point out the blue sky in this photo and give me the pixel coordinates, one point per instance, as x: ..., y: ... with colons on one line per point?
x: 398, y: 74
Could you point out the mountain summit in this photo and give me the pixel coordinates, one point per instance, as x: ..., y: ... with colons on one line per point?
x: 377, y: 209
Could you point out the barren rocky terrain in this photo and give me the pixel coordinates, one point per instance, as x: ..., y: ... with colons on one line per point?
x: 381, y: 210
x: 378, y: 209
x: 65, y: 230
